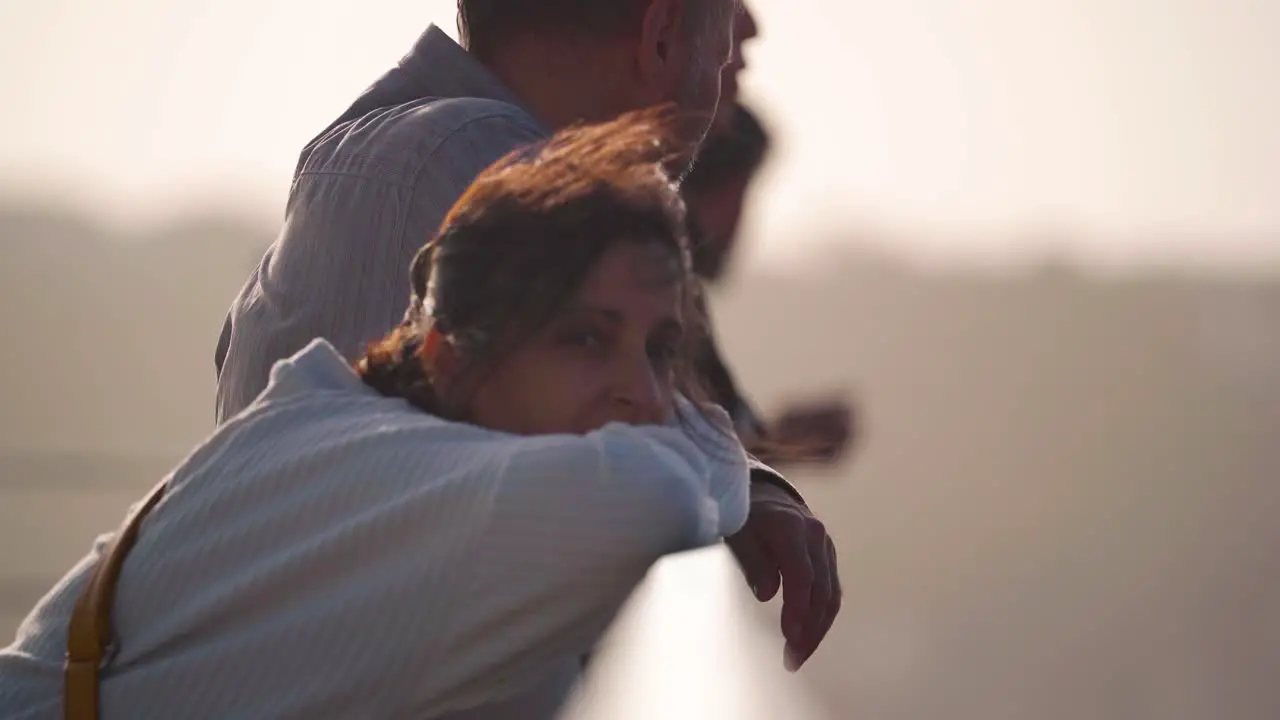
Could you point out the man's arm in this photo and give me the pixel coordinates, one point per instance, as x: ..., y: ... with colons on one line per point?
x: 397, y: 86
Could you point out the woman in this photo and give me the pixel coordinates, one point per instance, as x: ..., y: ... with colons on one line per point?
x: 444, y: 530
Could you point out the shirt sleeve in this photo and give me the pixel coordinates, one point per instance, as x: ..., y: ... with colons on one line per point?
x: 573, y: 526
x: 394, y: 568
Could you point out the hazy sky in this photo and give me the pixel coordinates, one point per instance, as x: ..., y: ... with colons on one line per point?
x: 967, y: 120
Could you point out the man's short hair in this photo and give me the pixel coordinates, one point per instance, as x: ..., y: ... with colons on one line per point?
x: 485, y: 24
x: 732, y: 154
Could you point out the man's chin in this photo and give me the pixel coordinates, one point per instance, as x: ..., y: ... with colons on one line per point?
x: 691, y: 131
x: 710, y: 270
x: 723, y: 120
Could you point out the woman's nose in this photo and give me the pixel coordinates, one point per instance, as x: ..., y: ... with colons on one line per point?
x: 639, y: 395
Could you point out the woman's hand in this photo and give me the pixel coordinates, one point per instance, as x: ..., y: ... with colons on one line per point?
x: 784, y: 546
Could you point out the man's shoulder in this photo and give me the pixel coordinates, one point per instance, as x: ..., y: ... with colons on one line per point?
x: 434, y: 121
x: 395, y: 142
x: 452, y: 114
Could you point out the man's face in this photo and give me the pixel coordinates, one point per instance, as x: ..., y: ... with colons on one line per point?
x: 682, y: 62
x: 718, y: 213
x: 744, y: 29
x: 702, y: 92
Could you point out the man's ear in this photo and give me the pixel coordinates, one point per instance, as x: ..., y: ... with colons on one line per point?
x: 661, y: 32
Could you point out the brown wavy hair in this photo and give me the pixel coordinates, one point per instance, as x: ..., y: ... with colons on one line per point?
x: 521, y: 240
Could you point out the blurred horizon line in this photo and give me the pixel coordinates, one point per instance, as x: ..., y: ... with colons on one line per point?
x: 1029, y: 246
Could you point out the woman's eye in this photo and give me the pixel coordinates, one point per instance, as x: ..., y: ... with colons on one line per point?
x: 663, y: 352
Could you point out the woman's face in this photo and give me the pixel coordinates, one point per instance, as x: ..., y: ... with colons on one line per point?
x: 608, y: 356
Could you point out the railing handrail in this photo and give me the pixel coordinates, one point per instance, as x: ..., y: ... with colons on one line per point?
x: 688, y: 644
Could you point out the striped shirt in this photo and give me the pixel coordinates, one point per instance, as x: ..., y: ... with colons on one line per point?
x: 367, y: 193
x: 330, y: 552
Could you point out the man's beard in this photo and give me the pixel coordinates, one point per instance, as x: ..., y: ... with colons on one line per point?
x: 697, y: 113
x: 709, y: 258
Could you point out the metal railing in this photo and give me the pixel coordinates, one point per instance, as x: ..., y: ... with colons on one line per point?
x: 689, y: 644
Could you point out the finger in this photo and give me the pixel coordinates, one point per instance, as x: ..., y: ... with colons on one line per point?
x: 819, y: 592
x: 837, y: 592
x: 760, y: 571
x: 767, y: 584
x: 797, y: 583
x: 827, y: 613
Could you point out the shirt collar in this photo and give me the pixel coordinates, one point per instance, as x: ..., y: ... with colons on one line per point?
x: 318, y: 366
x: 437, y: 66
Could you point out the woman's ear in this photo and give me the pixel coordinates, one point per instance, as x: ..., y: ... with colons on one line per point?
x: 445, y: 366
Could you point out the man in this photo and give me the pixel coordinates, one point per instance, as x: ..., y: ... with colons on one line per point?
x: 715, y: 192
x: 744, y: 29
x: 369, y: 189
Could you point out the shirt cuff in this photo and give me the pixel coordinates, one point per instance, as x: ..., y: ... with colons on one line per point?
x: 765, y: 474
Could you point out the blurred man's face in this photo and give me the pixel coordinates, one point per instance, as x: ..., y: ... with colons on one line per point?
x: 718, y: 213
x: 744, y: 29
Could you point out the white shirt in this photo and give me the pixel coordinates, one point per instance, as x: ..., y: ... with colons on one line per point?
x: 333, y: 553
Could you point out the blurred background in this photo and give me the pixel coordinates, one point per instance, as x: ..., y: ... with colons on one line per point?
x: 1039, y: 243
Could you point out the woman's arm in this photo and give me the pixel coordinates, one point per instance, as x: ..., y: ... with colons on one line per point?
x: 573, y: 525
x: 397, y: 565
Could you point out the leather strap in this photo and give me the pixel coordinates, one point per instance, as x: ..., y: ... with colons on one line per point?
x: 89, y: 633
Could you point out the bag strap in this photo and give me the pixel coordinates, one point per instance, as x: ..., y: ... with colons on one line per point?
x: 89, y: 632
